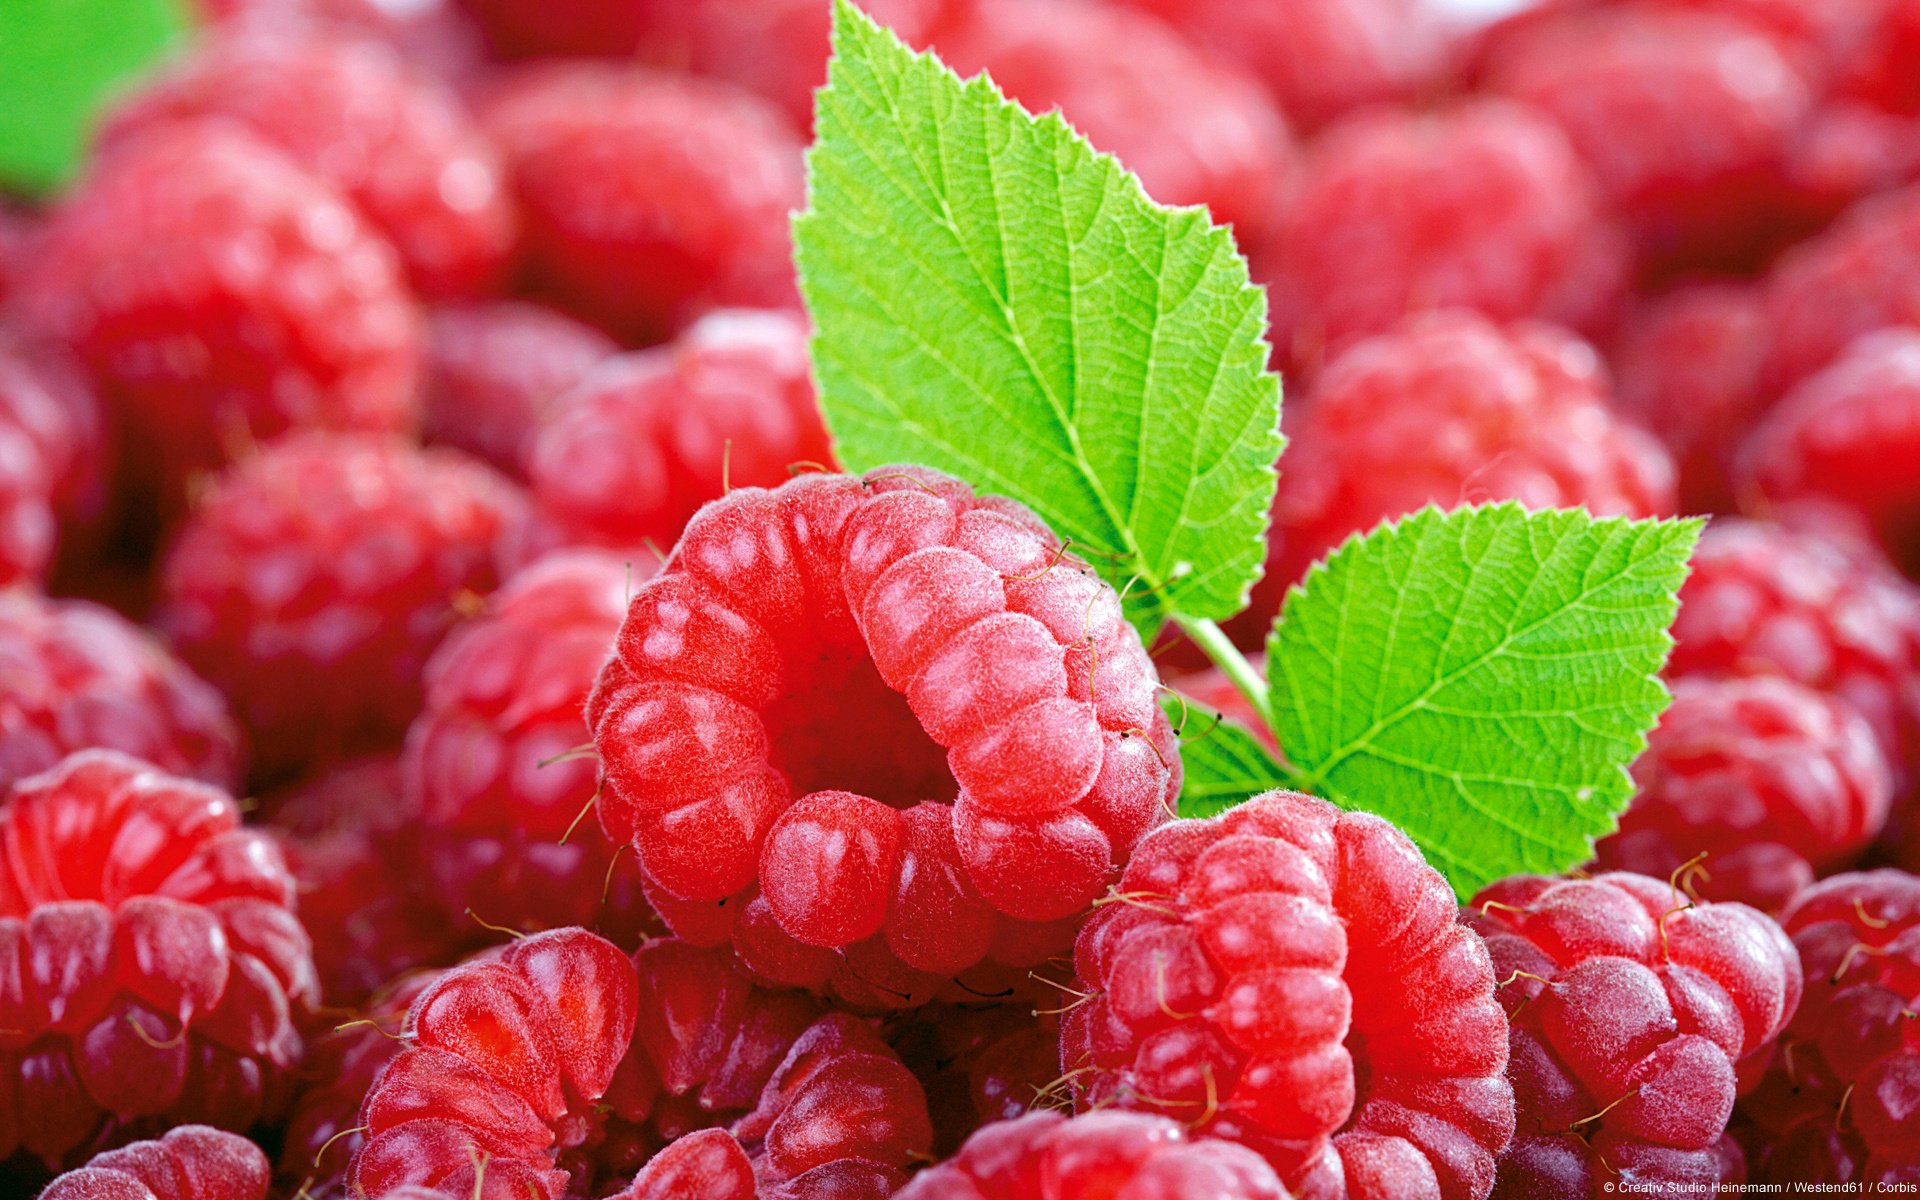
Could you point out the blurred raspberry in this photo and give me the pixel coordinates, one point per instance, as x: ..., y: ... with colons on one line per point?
x: 1859, y: 275
x: 1882, y: 72
x: 432, y: 34
x: 17, y: 230
x: 52, y: 468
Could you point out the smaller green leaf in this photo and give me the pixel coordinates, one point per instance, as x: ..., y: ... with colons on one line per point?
x: 61, y: 61
x: 1482, y: 678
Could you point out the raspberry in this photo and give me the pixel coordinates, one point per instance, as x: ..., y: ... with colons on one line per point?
x: 978, y: 1065
x: 1632, y: 1011
x: 158, y: 970
x: 496, y: 371
x: 17, y: 230
x: 535, y: 1066
x: 340, y: 561
x: 192, y: 1162
x: 568, y: 28
x: 49, y: 455
x: 395, y: 142
x: 80, y: 676
x: 433, y: 34
x: 1769, y: 779
x: 1126, y: 1155
x: 1292, y: 978
x: 218, y: 291
x: 495, y: 784
x: 649, y: 437
x: 1193, y: 130
x: 1768, y: 600
x: 1881, y: 71
x: 1850, y: 433
x: 1857, y: 276
x: 1481, y: 206
x: 981, y: 667
x: 1688, y: 368
x: 648, y: 198
x: 1839, y: 1099
x: 1684, y: 117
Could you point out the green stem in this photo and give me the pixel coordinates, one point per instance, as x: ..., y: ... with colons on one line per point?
x: 1214, y: 642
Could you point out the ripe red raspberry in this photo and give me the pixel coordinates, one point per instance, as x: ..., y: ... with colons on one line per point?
x: 980, y: 667
x: 1841, y: 1100
x: 978, y: 1064
x: 338, y: 561
x: 1632, y: 1012
x: 578, y: 1095
x: 192, y: 1162
x: 495, y: 371
x: 158, y: 970
x: 1688, y: 367
x: 1850, y: 433
x: 648, y: 198
x: 394, y: 141
x: 1126, y: 1155
x: 1194, y: 130
x: 1769, y: 600
x: 648, y: 437
x: 495, y: 781
x: 1770, y: 780
x: 1292, y: 978
x: 50, y: 455
x: 1859, y: 275
x: 80, y: 676
x: 217, y: 292
x: 1482, y: 206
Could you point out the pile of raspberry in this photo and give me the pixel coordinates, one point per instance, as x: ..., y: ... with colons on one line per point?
x: 464, y: 737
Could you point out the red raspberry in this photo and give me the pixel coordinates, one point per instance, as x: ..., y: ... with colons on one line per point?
x: 395, y: 142
x: 1482, y: 206
x: 649, y: 198
x: 1194, y: 130
x: 80, y: 676
x: 495, y: 372
x: 17, y: 230
x: 1684, y: 117
x: 340, y: 561
x: 218, y: 291
x: 1841, y: 1100
x: 1632, y: 1012
x: 953, y: 634
x: 1770, y: 780
x: 1292, y: 978
x: 1769, y: 600
x: 979, y: 1065
x: 649, y: 437
x: 50, y: 455
x: 156, y: 969
x: 1850, y: 433
x: 1126, y: 1155
x: 535, y: 1066
x: 1880, y: 71
x: 1688, y: 368
x: 495, y: 780
x: 192, y: 1162
x: 566, y: 28
x: 1859, y: 275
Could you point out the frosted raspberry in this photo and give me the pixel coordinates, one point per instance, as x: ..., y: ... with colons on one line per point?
x: 80, y: 676
x: 1850, y: 433
x: 979, y: 1064
x: 1688, y: 368
x: 954, y: 635
x: 157, y: 968
x: 1194, y: 130
x: 649, y: 437
x: 1841, y: 1100
x: 579, y: 1094
x: 1482, y: 206
x: 496, y: 782
x: 1292, y: 978
x: 648, y: 198
x: 1768, y: 600
x: 338, y: 561
x: 51, y: 456
x: 218, y: 291
x: 1632, y: 1012
x: 495, y: 372
x: 1859, y: 275
x: 192, y: 1162
x: 394, y: 141
x: 1768, y: 779
x: 1126, y: 1155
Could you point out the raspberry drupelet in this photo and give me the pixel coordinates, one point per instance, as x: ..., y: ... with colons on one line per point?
x: 888, y: 724
x: 1293, y: 978
x: 157, y: 970
x: 192, y: 1162
x: 1634, y: 1014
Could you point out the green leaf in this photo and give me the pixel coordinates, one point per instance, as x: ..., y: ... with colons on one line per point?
x: 60, y: 62
x: 1482, y: 678
x: 1223, y: 761
x: 995, y: 299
